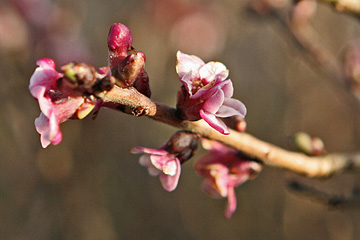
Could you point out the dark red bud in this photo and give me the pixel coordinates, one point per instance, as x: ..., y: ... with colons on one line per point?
x: 104, y: 84
x: 79, y: 79
x: 119, y: 39
x: 119, y: 42
x: 183, y: 144
x: 130, y: 68
x: 142, y: 84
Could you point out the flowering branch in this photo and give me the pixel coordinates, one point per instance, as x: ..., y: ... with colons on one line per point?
x: 203, y: 100
x: 271, y: 155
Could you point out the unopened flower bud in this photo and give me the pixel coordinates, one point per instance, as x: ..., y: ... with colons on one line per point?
x: 309, y: 145
x: 183, y: 144
x: 142, y: 84
x: 119, y: 42
x: 79, y: 78
x: 130, y: 68
x: 104, y: 84
x: 236, y: 122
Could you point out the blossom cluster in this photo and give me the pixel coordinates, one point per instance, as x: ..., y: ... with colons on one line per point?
x: 70, y: 94
x: 206, y: 93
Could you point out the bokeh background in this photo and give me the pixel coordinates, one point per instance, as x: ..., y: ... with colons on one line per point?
x: 91, y: 187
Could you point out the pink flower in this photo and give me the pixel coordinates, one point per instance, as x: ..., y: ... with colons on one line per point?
x: 223, y: 169
x: 166, y: 161
x: 161, y: 163
x: 55, y: 106
x: 206, y: 93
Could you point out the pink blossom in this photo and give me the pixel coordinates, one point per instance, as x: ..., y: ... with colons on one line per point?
x: 55, y: 106
x: 223, y: 169
x: 206, y: 93
x: 166, y: 161
x: 161, y: 163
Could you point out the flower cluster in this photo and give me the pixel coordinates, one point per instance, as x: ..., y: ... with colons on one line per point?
x: 206, y: 93
x: 70, y: 94
x: 56, y: 106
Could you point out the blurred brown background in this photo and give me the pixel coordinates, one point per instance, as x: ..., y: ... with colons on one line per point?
x: 91, y: 187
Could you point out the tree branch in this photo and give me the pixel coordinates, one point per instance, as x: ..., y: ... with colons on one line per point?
x: 139, y: 103
x: 347, y: 6
x: 332, y: 200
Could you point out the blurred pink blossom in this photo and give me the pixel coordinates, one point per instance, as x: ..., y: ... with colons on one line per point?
x: 204, y: 25
x: 14, y: 36
x: 206, y: 93
x: 223, y: 169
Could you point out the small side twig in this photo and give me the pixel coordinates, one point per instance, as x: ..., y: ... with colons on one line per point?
x: 346, y: 6
x: 332, y: 200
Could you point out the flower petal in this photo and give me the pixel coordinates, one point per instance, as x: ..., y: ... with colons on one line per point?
x: 206, y: 91
x: 66, y: 108
x: 187, y: 63
x: 213, y: 104
x: 84, y: 109
x: 44, y: 75
x: 187, y: 81
x: 48, y: 129
x: 208, y: 187
x: 231, y: 203
x: 227, y: 87
x: 168, y: 182
x: 231, y: 107
x: 214, y: 122
x: 148, y: 150
x: 213, y: 70
x: 145, y: 161
x: 42, y: 126
x: 167, y: 163
x: 55, y: 134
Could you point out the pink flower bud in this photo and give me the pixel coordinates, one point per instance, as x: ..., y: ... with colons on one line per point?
x: 119, y: 42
